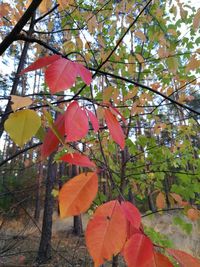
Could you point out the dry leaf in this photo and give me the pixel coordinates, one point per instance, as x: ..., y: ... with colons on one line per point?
x: 20, y: 102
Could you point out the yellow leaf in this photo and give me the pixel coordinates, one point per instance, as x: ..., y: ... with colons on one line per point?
x: 193, y: 64
x: 79, y: 43
x: 63, y: 3
x: 196, y: 20
x: 139, y: 58
x: 44, y: 6
x: 55, y: 192
x: 159, y: 127
x: 173, y: 32
x: 100, y: 114
x: 22, y: 125
x: 69, y: 46
x: 20, y: 102
x: 170, y: 90
x: 107, y: 93
x: 116, y: 96
x: 172, y: 64
x: 92, y: 24
x: 141, y: 35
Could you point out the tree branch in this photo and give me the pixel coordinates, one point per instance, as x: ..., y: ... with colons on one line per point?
x: 162, y: 210
x: 19, y: 26
x: 46, y: 14
x: 18, y: 153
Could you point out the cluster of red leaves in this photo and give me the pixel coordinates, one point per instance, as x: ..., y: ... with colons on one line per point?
x: 74, y: 125
x: 115, y: 227
x: 60, y: 74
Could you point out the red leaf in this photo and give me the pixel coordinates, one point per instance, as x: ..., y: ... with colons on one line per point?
x: 62, y: 74
x: 84, y: 73
x: 51, y: 141
x: 131, y: 230
x: 77, y: 194
x: 76, y: 122
x: 106, y: 232
x: 78, y: 159
x: 160, y: 260
x: 93, y: 120
x: 185, y: 259
x: 138, y: 251
x: 131, y: 213
x: 116, y: 112
x: 40, y: 63
x: 115, y: 128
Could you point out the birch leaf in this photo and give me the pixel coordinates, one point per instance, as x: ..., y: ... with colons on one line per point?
x: 22, y: 125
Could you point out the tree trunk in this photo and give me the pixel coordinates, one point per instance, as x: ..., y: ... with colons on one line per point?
x: 44, y: 253
x: 38, y: 194
x: 78, y: 227
x: 115, y: 261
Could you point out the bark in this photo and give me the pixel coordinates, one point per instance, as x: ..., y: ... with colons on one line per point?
x: 115, y: 261
x: 38, y: 194
x: 44, y: 253
x: 78, y: 226
x: 151, y: 203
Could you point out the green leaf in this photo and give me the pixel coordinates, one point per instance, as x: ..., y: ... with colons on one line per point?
x: 22, y: 125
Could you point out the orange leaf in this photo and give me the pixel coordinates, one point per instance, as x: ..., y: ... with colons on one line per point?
x: 131, y: 213
x: 106, y: 232
x: 51, y: 141
x: 44, y: 6
x: 76, y: 122
x: 77, y: 194
x: 193, y: 214
x: 177, y: 198
x: 160, y: 201
x: 115, y: 128
x: 63, y: 3
x: 138, y: 251
x: 40, y: 63
x: 185, y: 259
x: 159, y: 260
x: 78, y: 159
x: 196, y: 20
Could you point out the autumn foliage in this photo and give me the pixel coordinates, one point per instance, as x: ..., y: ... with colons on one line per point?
x: 115, y: 226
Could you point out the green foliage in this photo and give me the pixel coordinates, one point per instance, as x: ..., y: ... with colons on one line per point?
x: 187, y: 227
x: 158, y: 238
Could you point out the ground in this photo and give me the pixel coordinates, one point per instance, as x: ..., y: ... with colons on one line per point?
x: 19, y: 241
